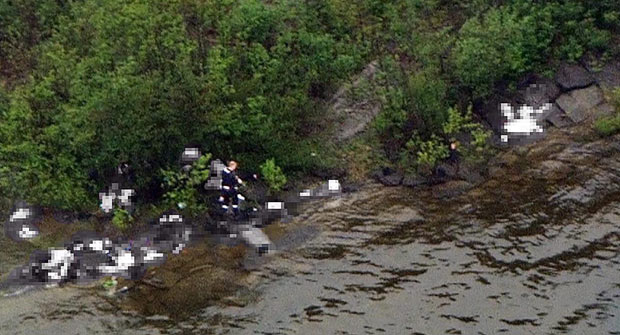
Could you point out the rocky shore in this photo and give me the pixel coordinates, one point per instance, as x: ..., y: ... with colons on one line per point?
x: 577, y: 95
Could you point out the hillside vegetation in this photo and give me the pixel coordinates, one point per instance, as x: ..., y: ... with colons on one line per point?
x: 87, y: 84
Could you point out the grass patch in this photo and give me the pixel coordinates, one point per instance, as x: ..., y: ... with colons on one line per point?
x: 608, y: 126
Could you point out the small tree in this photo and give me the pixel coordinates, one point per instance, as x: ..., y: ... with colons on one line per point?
x: 182, y: 187
x: 121, y: 219
x: 273, y: 175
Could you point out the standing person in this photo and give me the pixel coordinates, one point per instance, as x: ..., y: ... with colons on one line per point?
x: 230, y: 187
x: 454, y: 155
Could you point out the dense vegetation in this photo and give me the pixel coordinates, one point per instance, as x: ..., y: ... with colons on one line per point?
x: 87, y: 84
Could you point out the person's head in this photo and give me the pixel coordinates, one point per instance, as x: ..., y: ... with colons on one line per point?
x: 453, y: 145
x: 232, y: 165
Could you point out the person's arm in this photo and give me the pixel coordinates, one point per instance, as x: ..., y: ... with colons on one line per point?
x: 249, y: 176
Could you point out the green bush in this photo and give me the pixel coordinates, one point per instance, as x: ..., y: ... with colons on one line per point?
x: 121, y: 219
x: 182, y: 189
x: 273, y: 175
x: 503, y: 44
x: 421, y: 156
x: 610, y: 125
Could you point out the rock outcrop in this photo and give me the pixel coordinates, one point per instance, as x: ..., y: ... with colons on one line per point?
x: 575, y: 95
x: 579, y: 104
x: 351, y: 116
x: 571, y: 77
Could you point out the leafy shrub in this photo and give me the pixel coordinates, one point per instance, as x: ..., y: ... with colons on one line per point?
x: 458, y: 122
x: 426, y: 99
x: 504, y: 43
x: 121, y: 219
x: 182, y: 188
x: 480, y: 139
x: 273, y: 175
x: 421, y: 156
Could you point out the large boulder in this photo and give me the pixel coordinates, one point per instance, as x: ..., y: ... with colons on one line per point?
x: 537, y: 90
x: 558, y: 118
x: 414, y: 181
x: 446, y: 170
x: 388, y: 176
x: 578, y: 104
x: 571, y: 76
x: 608, y: 75
x: 533, y: 91
x: 349, y: 115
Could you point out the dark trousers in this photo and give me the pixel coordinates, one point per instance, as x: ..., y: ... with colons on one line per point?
x: 226, y: 198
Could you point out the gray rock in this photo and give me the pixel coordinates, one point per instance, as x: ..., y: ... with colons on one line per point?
x: 414, y: 181
x: 609, y: 75
x: 351, y: 116
x: 571, y: 76
x: 578, y: 104
x: 470, y: 173
x: 451, y: 189
x: 446, y: 170
x: 603, y: 110
x: 491, y: 113
x: 391, y: 180
x: 157, y: 318
x: 557, y: 117
x: 387, y: 176
x: 539, y: 91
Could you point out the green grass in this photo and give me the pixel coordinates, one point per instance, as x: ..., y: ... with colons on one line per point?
x: 607, y: 126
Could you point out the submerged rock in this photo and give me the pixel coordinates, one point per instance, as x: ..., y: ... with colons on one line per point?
x: 451, y: 189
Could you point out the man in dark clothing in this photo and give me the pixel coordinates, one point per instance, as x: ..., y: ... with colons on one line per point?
x: 454, y: 156
x: 230, y: 188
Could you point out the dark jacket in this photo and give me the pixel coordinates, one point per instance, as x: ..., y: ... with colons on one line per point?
x: 230, y: 180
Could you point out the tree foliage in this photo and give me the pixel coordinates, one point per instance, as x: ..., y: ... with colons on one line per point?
x: 87, y: 84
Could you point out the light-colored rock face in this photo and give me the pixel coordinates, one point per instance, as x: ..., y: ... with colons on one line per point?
x: 353, y: 115
x: 578, y: 104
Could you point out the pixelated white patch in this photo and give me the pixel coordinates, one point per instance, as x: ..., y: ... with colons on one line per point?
x: 526, y: 124
x: 58, y: 265
x: 124, y: 260
x: 275, y: 205
x: 152, y: 255
x: 26, y: 233
x: 96, y: 245
x: 107, y: 202
x: 20, y: 214
x: 333, y: 185
x: 305, y: 193
x: 178, y: 249
x: 255, y: 237
x: 191, y: 153
x: 124, y: 197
